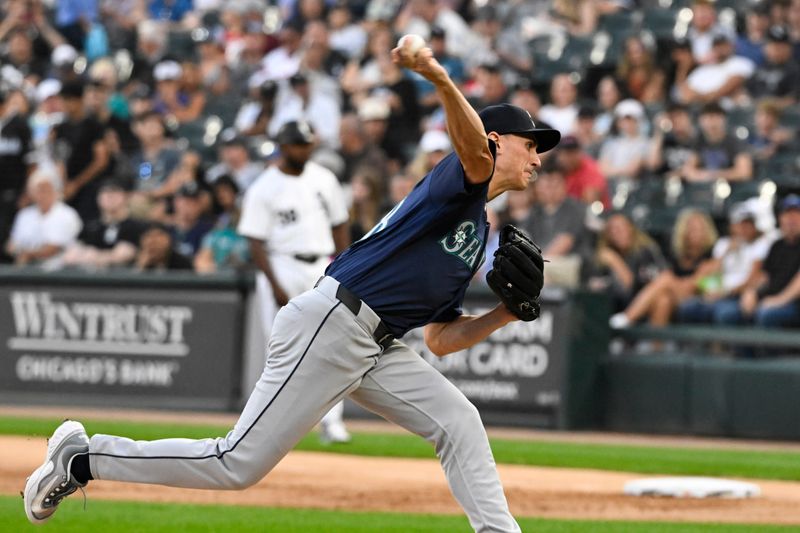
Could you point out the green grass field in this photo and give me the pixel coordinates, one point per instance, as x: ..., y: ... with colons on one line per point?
x: 119, y: 517
x: 114, y: 517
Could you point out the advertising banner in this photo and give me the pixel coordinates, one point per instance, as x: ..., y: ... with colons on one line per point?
x: 148, y: 343
x: 520, y: 368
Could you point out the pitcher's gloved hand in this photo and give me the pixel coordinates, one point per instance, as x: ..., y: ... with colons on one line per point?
x: 517, y: 274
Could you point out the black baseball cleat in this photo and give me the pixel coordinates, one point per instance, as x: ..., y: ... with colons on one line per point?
x: 52, y: 482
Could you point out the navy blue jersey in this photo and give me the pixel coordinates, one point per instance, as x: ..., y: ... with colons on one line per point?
x: 414, y: 266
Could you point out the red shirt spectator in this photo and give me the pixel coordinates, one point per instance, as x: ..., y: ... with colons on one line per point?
x: 584, y: 179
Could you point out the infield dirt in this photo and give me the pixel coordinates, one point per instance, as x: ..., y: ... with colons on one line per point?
x: 334, y: 481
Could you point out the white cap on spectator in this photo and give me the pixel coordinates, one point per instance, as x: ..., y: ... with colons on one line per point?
x: 63, y: 55
x: 167, y: 70
x: 435, y: 141
x: 629, y: 108
x: 47, y: 89
x: 373, y: 108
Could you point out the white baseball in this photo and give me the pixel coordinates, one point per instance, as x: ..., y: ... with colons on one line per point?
x: 411, y: 43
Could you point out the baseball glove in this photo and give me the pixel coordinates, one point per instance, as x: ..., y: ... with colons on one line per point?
x: 517, y: 274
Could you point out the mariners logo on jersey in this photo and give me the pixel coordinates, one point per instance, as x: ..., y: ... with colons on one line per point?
x: 464, y: 243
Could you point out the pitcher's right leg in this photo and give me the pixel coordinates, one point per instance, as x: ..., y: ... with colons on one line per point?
x: 317, y: 355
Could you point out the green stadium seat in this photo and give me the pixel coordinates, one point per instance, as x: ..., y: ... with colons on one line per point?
x: 620, y: 22
x: 660, y: 22
x: 791, y: 117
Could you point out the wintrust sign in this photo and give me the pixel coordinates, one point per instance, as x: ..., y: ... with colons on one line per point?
x: 143, y: 345
x: 44, y: 324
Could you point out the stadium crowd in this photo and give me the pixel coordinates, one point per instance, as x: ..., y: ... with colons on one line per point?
x: 131, y: 129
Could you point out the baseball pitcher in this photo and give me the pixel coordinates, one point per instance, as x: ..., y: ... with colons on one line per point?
x: 342, y: 337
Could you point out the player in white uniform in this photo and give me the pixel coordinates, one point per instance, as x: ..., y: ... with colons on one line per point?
x: 295, y: 218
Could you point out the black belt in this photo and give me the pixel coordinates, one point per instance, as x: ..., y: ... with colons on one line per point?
x: 382, y: 335
x: 307, y: 258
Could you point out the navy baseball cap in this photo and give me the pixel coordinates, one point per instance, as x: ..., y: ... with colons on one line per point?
x: 790, y: 202
x: 506, y: 118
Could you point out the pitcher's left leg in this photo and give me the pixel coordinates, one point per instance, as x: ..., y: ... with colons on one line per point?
x: 406, y: 390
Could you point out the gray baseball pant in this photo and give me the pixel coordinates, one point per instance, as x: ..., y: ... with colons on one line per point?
x: 319, y: 353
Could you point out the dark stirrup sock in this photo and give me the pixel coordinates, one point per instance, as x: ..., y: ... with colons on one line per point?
x: 80, y: 469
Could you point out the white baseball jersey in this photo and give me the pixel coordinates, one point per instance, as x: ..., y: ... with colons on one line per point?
x: 294, y: 214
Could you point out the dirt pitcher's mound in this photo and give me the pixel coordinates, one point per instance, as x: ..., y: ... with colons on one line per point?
x: 331, y: 481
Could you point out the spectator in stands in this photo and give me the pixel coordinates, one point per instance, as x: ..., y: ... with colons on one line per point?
x: 562, y: 110
x: 498, y: 43
x: 403, y: 128
x: 525, y: 96
x: 44, y: 229
x: 151, y: 47
x: 400, y: 184
x: 639, y: 72
x: 769, y: 138
x: 518, y: 206
x: 681, y: 63
x: 16, y: 164
x: 346, y: 35
x: 609, y: 94
x: 19, y: 51
x: 173, y: 99
x: 490, y: 88
x: 693, y: 237
x: 156, y: 252
x: 778, y: 77
x: 305, y: 100
x: 585, y: 181
x: 418, y: 16
x: 578, y: 17
x: 719, y: 155
x: 586, y: 132
x: 73, y: 20
x: 622, y: 157
x: 770, y: 296
x: 625, y: 260
x: 284, y: 61
x: 82, y: 152
x: 223, y: 248
x: 724, y: 277
x: 356, y: 149
x: 112, y: 239
x: 118, y: 137
x: 363, y: 73
x: 210, y: 54
x: 704, y: 29
x: 255, y: 113
x: 433, y: 147
x: 234, y: 161
x: 46, y: 114
x: 190, y: 223
x: 426, y: 94
x: 156, y: 159
x: 225, y: 200
x: 319, y: 58
x: 374, y: 112
x: 720, y: 79
x: 62, y: 59
x: 169, y: 10
x: 674, y: 140
x: 367, y: 194
x: 556, y: 223
x: 750, y: 43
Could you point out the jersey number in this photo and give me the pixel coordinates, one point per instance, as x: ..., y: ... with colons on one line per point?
x: 380, y: 226
x: 287, y: 217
